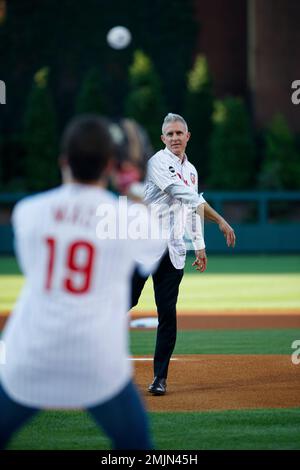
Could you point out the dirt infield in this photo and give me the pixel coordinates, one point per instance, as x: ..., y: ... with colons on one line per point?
x: 223, y: 382
x: 238, y: 319
x: 232, y: 320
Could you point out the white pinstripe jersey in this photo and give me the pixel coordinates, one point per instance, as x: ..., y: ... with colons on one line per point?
x: 66, y: 341
x: 165, y: 168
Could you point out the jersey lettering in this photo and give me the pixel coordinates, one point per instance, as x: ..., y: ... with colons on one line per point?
x: 79, y: 266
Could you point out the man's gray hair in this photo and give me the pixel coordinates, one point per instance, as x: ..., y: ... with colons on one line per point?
x: 171, y: 117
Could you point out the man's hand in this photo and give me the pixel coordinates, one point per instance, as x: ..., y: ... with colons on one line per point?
x: 200, y: 261
x: 228, y: 232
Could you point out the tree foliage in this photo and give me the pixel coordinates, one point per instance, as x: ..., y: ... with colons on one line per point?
x: 281, y: 161
x: 232, y: 163
x: 40, y: 135
x: 145, y: 102
x: 198, y: 113
x: 91, y: 97
x: 70, y: 37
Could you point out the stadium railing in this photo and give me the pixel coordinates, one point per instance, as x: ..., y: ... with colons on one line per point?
x: 264, y: 221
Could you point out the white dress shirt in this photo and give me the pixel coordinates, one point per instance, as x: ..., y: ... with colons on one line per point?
x: 177, y: 214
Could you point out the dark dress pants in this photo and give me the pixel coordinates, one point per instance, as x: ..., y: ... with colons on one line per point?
x: 166, y: 281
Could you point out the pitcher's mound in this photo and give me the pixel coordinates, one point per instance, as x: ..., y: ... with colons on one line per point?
x: 223, y: 382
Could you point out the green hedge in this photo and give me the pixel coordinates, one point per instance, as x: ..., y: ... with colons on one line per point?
x: 40, y: 136
x: 232, y: 163
x: 281, y: 158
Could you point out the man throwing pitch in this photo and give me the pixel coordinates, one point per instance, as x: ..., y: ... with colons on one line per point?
x: 172, y: 188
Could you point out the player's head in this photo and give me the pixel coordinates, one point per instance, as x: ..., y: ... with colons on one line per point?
x: 87, y: 147
x: 133, y: 150
x: 175, y: 134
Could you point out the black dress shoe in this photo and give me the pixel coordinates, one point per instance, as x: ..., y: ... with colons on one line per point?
x: 158, y: 386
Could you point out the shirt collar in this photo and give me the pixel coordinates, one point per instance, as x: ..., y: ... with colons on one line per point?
x: 175, y: 156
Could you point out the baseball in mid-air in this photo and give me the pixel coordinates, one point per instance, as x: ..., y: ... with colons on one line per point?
x: 118, y: 37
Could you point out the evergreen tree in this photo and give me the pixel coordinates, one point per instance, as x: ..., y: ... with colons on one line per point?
x: 91, y: 98
x: 281, y: 161
x: 145, y: 102
x: 232, y: 162
x: 40, y: 136
x: 198, y: 113
x: 71, y: 37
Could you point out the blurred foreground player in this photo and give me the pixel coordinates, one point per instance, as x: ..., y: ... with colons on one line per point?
x: 66, y: 341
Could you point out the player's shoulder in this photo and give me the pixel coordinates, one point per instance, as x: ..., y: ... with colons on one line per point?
x: 42, y: 197
x: 31, y: 203
x: 109, y: 197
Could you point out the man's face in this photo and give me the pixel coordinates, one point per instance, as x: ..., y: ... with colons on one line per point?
x: 176, y: 137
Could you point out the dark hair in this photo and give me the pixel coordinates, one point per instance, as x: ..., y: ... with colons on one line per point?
x: 88, y: 146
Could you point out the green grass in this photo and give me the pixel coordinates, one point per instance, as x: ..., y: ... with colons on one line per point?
x: 9, y: 265
x: 201, y: 292
x: 246, y: 429
x: 231, y: 282
x: 231, y: 292
x: 236, y: 429
x: 60, y: 430
x: 231, y: 263
x: 221, y: 341
x: 10, y: 288
x: 247, y: 264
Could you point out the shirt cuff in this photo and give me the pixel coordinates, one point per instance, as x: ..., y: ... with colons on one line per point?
x: 198, y: 244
